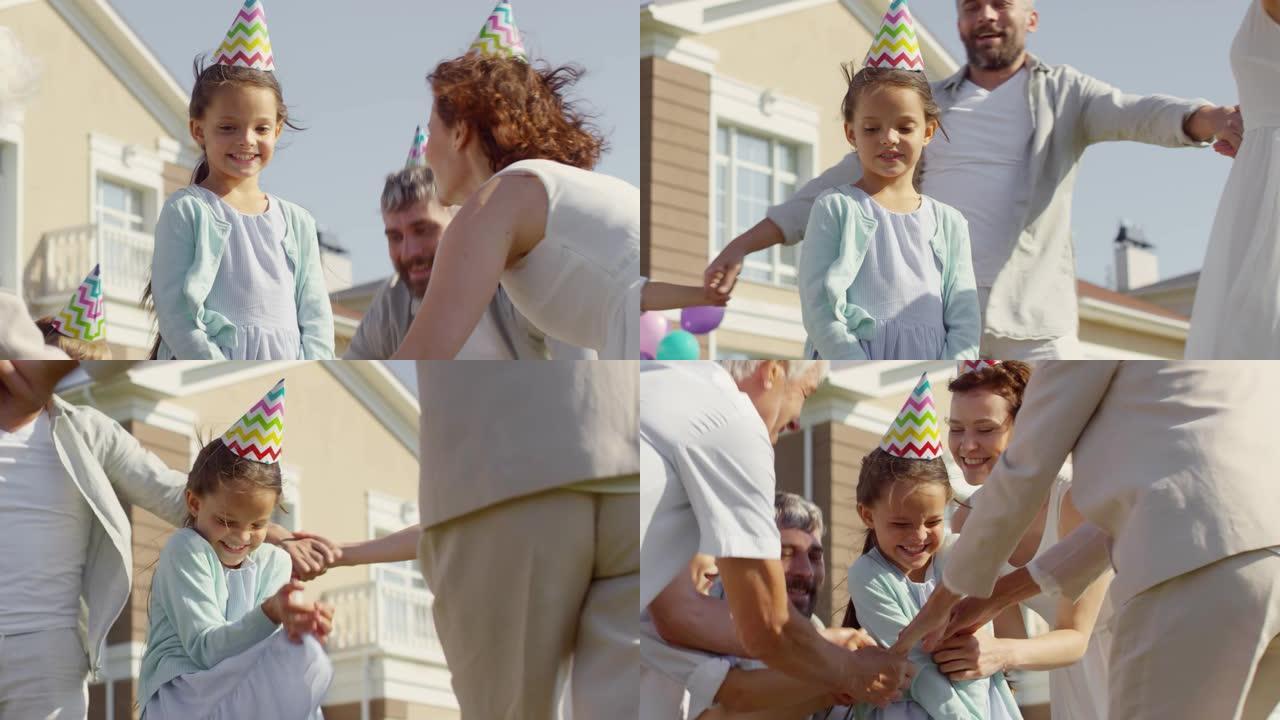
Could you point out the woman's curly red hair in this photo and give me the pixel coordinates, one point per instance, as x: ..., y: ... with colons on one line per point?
x: 517, y: 111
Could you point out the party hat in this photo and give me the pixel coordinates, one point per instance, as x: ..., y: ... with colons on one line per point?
x: 83, y: 318
x: 259, y: 435
x: 247, y: 43
x: 914, y: 433
x: 896, y: 46
x: 499, y: 36
x: 418, y: 151
x: 968, y: 366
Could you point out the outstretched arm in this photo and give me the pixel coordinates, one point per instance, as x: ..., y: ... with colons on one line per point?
x: 396, y: 547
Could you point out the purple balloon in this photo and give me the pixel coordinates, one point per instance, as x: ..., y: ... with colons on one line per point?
x: 701, y: 319
x: 653, y: 327
x: 646, y: 356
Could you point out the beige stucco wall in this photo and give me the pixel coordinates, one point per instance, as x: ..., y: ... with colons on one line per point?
x: 78, y: 95
x: 797, y: 55
x: 340, y: 449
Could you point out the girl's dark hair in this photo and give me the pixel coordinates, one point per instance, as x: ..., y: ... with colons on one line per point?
x: 516, y: 109
x: 1008, y: 379
x: 209, y: 80
x: 871, y: 78
x: 212, y: 78
x: 217, y: 467
x: 879, y: 472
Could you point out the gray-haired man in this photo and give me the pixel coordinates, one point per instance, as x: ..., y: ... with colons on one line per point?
x: 415, y: 221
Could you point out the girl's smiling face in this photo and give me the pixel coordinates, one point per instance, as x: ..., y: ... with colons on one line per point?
x: 233, y: 520
x: 908, y: 523
x: 889, y: 130
x: 238, y: 130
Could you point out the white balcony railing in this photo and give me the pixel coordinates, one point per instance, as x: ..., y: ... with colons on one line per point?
x: 66, y: 255
x: 381, y: 618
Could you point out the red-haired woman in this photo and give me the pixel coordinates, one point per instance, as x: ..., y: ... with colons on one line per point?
x: 563, y: 241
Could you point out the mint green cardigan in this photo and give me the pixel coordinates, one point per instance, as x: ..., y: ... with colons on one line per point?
x: 885, y: 607
x: 188, y: 628
x: 835, y: 243
x: 189, y: 243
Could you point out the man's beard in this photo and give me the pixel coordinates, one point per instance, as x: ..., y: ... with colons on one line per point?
x: 811, y: 590
x: 403, y: 272
x: 995, y: 58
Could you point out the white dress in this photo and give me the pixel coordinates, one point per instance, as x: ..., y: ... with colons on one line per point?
x: 1078, y: 691
x: 275, y: 678
x: 900, y: 282
x: 254, y: 287
x: 1237, y: 307
x: 581, y: 283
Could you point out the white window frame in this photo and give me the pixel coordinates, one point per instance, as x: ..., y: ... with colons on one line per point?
x: 779, y: 273
x: 131, y: 165
x: 762, y: 112
x: 388, y: 514
x: 134, y: 219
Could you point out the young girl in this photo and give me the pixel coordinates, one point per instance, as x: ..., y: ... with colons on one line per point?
x: 236, y: 272
x: 903, y: 491
x: 219, y: 595
x: 563, y: 241
x: 886, y: 272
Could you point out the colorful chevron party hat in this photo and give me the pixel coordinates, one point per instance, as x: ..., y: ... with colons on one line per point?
x: 500, y: 36
x: 83, y: 318
x: 418, y: 151
x: 914, y: 433
x: 896, y: 46
x: 247, y: 43
x: 968, y: 366
x: 259, y: 435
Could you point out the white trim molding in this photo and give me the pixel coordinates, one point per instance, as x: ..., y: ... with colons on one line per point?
x: 761, y: 109
x: 12, y: 180
x: 656, y: 43
x: 1126, y: 318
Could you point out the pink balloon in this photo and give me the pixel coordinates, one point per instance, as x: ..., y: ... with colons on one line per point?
x: 653, y: 327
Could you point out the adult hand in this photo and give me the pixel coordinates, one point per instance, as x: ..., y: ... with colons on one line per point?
x: 851, y: 638
x: 28, y: 384
x: 970, y: 614
x: 312, y: 554
x: 971, y: 657
x: 929, y: 623
x: 722, y: 274
x: 878, y: 676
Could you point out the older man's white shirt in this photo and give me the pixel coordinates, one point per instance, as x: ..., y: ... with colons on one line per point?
x: 706, y: 472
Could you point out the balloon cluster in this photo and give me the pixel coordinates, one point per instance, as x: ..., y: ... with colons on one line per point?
x: 656, y: 343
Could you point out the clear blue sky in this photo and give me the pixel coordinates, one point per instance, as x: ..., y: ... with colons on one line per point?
x: 1177, y: 47
x: 354, y: 74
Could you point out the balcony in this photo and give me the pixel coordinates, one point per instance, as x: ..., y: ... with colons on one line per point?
x: 379, y: 618
x: 384, y: 647
x: 65, y: 256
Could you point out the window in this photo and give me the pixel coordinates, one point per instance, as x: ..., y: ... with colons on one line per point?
x: 119, y: 205
x: 752, y: 173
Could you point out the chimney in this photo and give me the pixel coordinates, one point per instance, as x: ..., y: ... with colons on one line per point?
x: 1136, y: 262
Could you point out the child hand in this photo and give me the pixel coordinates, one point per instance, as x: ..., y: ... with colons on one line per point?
x: 277, y: 607
x: 291, y: 611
